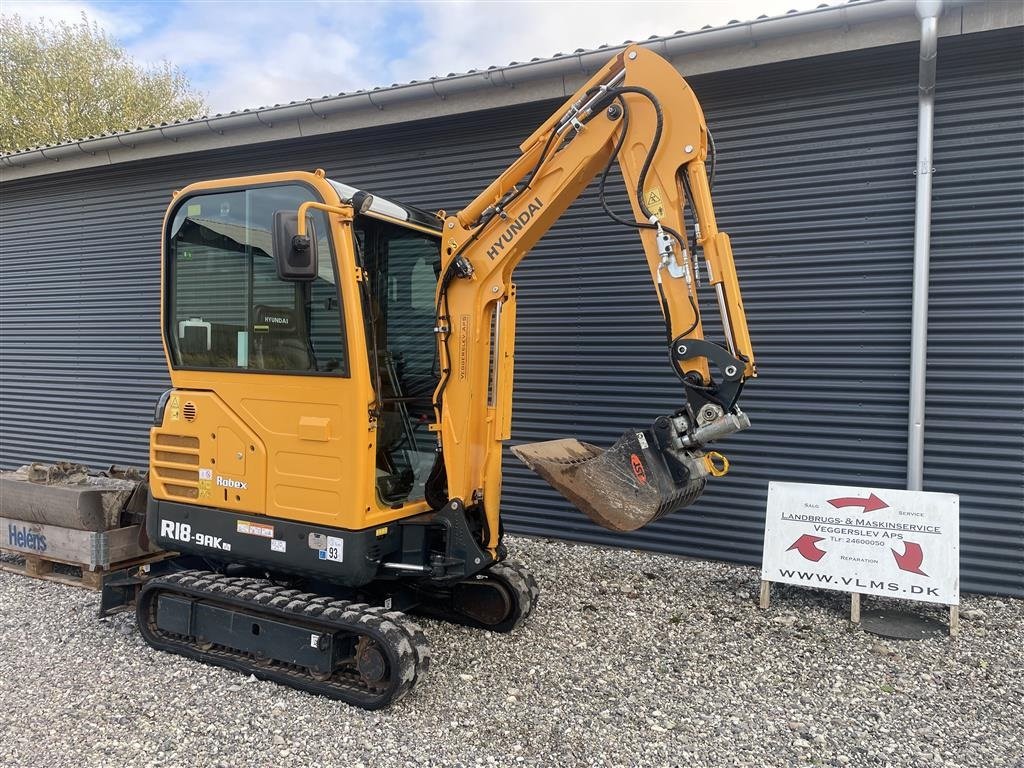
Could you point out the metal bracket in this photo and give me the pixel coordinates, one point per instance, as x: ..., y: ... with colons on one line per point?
x: 668, y: 256
x: 463, y: 556
x: 463, y: 267
x: 723, y: 393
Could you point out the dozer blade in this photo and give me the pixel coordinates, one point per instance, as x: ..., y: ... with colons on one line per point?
x: 623, y: 488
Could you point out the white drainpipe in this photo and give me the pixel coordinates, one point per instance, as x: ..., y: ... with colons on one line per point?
x: 928, y: 11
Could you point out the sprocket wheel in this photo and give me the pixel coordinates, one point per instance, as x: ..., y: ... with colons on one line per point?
x: 371, y: 663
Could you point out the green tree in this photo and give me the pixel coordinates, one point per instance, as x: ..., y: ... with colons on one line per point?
x: 61, y: 81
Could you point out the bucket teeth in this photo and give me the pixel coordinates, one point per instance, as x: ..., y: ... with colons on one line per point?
x: 621, y: 489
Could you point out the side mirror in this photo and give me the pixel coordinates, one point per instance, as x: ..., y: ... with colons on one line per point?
x: 295, y: 255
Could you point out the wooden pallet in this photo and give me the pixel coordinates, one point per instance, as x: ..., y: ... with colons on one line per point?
x: 73, y: 574
x: 89, y: 554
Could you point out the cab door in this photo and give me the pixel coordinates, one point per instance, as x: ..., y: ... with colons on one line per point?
x: 276, y: 377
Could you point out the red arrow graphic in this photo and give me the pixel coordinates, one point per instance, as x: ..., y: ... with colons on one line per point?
x: 911, y: 558
x: 870, y: 504
x: 806, y: 546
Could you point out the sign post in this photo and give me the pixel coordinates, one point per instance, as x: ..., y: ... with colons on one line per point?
x: 865, y: 541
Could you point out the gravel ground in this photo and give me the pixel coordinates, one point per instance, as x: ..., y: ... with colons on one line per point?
x: 631, y: 660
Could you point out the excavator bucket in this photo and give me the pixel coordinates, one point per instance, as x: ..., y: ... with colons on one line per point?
x: 621, y: 489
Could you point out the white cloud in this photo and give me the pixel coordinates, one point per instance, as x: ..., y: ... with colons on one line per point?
x: 474, y: 35
x: 257, y: 53
x: 118, y: 23
x: 265, y: 53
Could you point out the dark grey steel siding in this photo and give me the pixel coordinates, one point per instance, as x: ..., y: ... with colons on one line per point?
x: 975, y: 398
x: 816, y: 187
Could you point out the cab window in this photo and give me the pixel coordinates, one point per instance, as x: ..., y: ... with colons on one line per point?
x: 228, y: 308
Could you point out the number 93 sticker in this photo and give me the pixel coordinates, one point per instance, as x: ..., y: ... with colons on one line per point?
x: 334, y: 551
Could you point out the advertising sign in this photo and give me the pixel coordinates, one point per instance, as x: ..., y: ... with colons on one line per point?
x: 872, y: 541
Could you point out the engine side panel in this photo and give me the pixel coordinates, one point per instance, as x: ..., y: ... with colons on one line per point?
x: 203, y: 453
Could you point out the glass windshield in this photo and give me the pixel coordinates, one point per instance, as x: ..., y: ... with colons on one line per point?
x: 229, y: 309
x: 403, y: 266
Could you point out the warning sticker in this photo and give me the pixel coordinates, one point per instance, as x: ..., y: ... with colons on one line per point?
x: 175, y: 408
x: 205, y: 473
x: 256, y: 529
x: 278, y: 545
x: 204, y: 488
x: 655, y: 203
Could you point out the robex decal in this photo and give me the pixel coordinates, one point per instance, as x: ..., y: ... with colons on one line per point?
x: 23, y: 538
x: 514, y: 228
x: 227, y: 482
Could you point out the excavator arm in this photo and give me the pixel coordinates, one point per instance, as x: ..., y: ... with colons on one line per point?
x: 639, y: 112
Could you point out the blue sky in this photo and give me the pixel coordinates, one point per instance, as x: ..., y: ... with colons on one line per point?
x: 249, y: 54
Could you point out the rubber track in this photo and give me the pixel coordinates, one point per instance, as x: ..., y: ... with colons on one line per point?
x: 521, y: 580
x: 512, y: 576
x: 401, y: 639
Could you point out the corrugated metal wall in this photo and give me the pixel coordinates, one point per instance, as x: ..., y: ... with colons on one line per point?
x: 815, y: 185
x: 974, y: 423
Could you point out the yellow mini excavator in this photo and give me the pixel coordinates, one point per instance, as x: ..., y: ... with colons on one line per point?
x: 330, y: 453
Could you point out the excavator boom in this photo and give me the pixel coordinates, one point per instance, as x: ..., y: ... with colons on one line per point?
x: 636, y: 111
